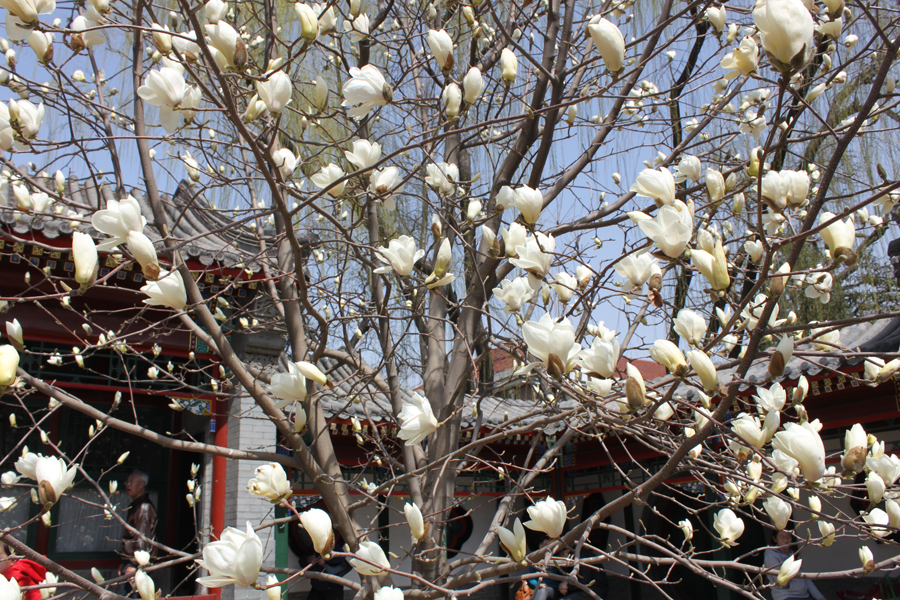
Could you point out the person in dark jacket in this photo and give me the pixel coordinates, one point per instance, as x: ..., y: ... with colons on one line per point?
x: 302, y: 546
x: 24, y: 571
x: 142, y: 518
x: 326, y: 590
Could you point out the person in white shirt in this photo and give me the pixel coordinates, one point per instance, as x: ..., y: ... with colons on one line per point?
x: 796, y: 589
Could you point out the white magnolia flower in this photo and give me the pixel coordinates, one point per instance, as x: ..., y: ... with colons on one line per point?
x: 442, y: 47
x: 879, y: 520
x: 509, y: 66
x: 290, y: 386
x: 716, y: 16
x: 635, y: 388
x: 317, y: 524
x: 839, y: 236
x: 417, y: 420
x: 530, y: 202
x: 275, y: 91
x: 309, y: 21
x: 514, y: 541
x: 548, y: 516
x: 535, y: 256
x: 609, y: 41
x: 442, y: 177
x: 400, y: 255
x: 636, y: 269
x: 867, y: 559
x: 887, y: 466
x: 515, y: 236
x: 668, y: 355
x: 50, y: 473
x: 658, y: 184
x: 326, y: 177
x: 386, y: 182
x: 506, y: 198
x: 787, y: 571
x: 819, y: 286
x: 748, y: 428
x: 779, y: 511
x: 755, y: 249
x: 84, y: 253
x: 42, y: 44
x: 705, y: 369
x: 893, y: 511
x: 235, y: 558
x: 875, y: 487
x: 743, y: 60
x: 30, y: 117
x: 552, y: 343
x: 601, y: 357
x: 365, y: 154
x: 15, y: 333
x: 9, y: 363
x: 564, y: 287
x: 231, y: 51
x: 826, y: 530
x: 688, y: 168
x: 753, y: 311
x: 514, y: 293
x: 687, y: 528
x: 440, y: 276
x: 372, y: 552
x: 270, y: 481
x: 452, y: 99
x: 691, y: 327
x: 415, y: 520
x: 365, y: 90
x: 215, y: 10
x: 85, y: 25
x: 142, y: 557
x: 144, y: 253
x: 803, y: 444
x: 715, y: 185
x: 167, y: 290
x: 713, y: 266
x: 771, y: 399
x: 670, y: 229
x: 358, y: 28
x: 729, y: 526
x: 145, y: 586
x: 27, y: 11
x: 164, y: 87
x: 192, y: 166
x: 286, y: 162
x: 388, y: 593
x: 188, y: 48
x: 473, y: 86
x: 823, y: 339
x: 786, y: 29
x: 327, y: 18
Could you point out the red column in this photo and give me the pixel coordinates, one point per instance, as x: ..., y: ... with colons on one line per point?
x: 217, y: 499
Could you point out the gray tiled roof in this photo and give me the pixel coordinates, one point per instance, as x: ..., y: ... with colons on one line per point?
x: 339, y: 402
x: 875, y: 336
x: 211, y: 235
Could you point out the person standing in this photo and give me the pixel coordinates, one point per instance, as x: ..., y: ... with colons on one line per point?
x: 142, y: 519
x: 797, y: 589
x: 24, y: 571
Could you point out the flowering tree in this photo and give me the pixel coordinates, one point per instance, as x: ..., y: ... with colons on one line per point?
x: 423, y: 183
